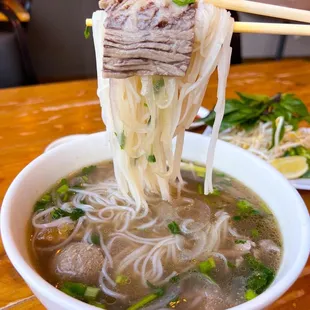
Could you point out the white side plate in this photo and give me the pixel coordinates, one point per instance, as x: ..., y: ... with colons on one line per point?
x: 203, y: 112
x: 302, y: 184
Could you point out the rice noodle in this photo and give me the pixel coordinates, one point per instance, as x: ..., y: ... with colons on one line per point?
x: 143, y: 123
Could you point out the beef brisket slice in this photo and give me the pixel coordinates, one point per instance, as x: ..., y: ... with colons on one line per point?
x: 144, y: 37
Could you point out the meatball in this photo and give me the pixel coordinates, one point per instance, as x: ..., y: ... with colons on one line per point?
x: 78, y: 262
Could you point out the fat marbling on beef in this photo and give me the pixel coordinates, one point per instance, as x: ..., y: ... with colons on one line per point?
x: 147, y: 37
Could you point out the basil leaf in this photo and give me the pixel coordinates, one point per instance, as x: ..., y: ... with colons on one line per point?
x: 250, y: 97
x: 291, y: 103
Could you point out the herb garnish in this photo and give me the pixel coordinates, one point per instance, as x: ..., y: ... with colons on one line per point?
x: 158, y: 84
x: 87, y: 32
x: 206, y: 266
x: 174, y: 228
x: 238, y: 241
x: 74, y: 215
x: 151, y: 159
x: 95, y: 239
x: 244, y: 210
x: 42, y: 204
x: 261, y: 276
x: 248, y: 110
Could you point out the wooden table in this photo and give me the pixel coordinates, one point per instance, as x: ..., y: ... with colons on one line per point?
x: 32, y: 117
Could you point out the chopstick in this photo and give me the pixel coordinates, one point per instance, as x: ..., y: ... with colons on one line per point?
x: 263, y: 9
x: 266, y: 10
x: 262, y: 28
x: 272, y: 28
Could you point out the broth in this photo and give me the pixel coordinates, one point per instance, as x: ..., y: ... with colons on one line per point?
x: 195, y: 252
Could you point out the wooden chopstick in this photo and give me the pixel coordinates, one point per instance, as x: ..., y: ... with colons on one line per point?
x: 263, y: 9
x: 272, y: 28
x: 263, y: 28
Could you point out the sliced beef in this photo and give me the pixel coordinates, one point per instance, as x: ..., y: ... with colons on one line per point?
x: 144, y: 37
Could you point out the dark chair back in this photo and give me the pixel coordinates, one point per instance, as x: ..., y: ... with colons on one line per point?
x: 15, y: 68
x: 57, y: 45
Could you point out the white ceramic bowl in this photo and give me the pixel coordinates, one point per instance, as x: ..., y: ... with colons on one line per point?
x: 38, y: 176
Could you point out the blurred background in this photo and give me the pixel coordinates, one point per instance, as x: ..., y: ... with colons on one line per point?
x: 42, y: 41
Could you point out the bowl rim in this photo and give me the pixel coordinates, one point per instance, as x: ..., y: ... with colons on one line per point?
x: 46, y: 290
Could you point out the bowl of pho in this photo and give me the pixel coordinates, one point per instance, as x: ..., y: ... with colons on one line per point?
x: 79, y: 242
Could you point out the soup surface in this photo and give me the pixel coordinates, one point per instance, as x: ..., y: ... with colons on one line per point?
x: 196, y: 252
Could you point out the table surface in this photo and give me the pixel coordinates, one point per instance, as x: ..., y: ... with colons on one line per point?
x: 32, y: 117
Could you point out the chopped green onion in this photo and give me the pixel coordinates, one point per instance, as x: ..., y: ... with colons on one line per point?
x: 219, y: 174
x: 46, y: 198
x: 122, y: 140
x: 85, y: 178
x: 88, y: 170
x: 87, y: 32
x: 73, y: 289
x: 240, y: 241
x: 216, y: 192
x: 175, y: 279
x: 206, y: 266
x: 63, y: 189
x: 183, y: 2
x: 231, y: 265
x: 95, y: 239
x: 144, y: 301
x: 43, y: 202
x: 39, y: 206
x: 151, y: 159
x: 245, y: 208
x: 76, y: 214
x: 265, y: 208
x: 122, y: 280
x: 200, y: 174
x: 97, y: 304
x: 249, y: 295
x: 191, y: 167
x: 261, y: 277
x: 159, y: 291
x: 254, y: 233
x: 174, y: 228
x: 145, y: 104
x: 236, y: 218
x: 91, y: 293
x: 58, y: 213
x: 200, y: 189
x: 158, y: 84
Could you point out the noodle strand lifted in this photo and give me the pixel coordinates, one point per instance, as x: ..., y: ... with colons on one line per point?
x: 144, y: 113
